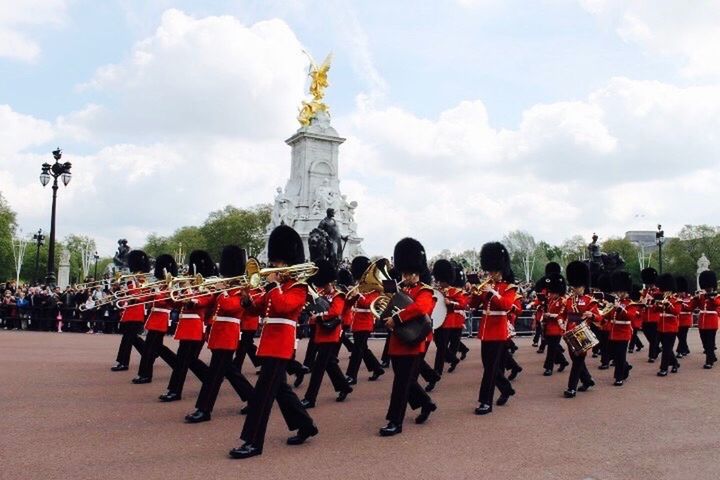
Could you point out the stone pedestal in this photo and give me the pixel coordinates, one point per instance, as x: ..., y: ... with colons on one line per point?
x: 64, y: 270
x: 314, y: 186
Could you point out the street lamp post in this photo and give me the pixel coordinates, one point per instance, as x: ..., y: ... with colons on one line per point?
x: 39, y: 242
x: 660, y: 239
x: 96, y: 257
x: 54, y: 171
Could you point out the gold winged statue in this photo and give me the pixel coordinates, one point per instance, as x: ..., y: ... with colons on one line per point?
x: 318, y: 83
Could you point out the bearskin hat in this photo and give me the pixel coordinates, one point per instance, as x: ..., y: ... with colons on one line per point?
x: 578, y: 274
x: 409, y: 256
x: 648, y: 276
x: 358, y: 266
x: 232, y: 261
x: 682, y: 284
x: 286, y: 246
x: 604, y: 283
x: 460, y: 277
x: 426, y: 277
x: 635, y: 292
x: 494, y: 257
x: 552, y: 267
x: 165, y: 264
x: 138, y: 262
x: 708, y: 280
x: 201, y: 263
x: 621, y: 281
x: 443, y: 271
x: 540, y: 284
x: 344, y: 277
x: 555, y: 283
x: 666, y: 282
x: 326, y: 273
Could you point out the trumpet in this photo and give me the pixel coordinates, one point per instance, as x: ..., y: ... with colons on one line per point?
x: 477, y: 289
x: 88, y: 285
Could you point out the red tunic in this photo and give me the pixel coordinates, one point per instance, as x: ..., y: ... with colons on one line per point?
x: 457, y: 302
x: 669, y: 322
x: 133, y: 312
x: 709, y: 309
x: 494, y: 325
x: 539, y: 307
x: 159, y: 318
x: 337, y: 305
x: 280, y: 308
x: 347, y: 315
x: 225, y: 328
x: 555, y: 317
x: 250, y: 322
x: 576, y: 306
x: 362, y: 318
x: 621, y: 319
x: 650, y: 315
x: 686, y: 310
x: 191, y: 325
x: 423, y: 304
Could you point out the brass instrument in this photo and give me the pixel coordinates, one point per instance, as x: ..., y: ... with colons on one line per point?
x: 215, y: 285
x: 371, y: 280
x: 299, y: 272
x: 477, y: 289
x: 100, y: 303
x: 143, y: 290
x: 88, y: 285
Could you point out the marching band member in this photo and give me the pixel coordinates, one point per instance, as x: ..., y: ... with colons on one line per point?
x: 579, y: 307
x: 686, y: 315
x: 281, y: 305
x: 328, y: 330
x: 635, y: 344
x: 410, y: 261
x: 604, y: 285
x: 510, y: 363
x: 456, y: 325
x: 539, y: 305
x: 190, y: 330
x: 709, y: 306
x: 556, y: 289
x: 363, y: 323
x: 157, y: 324
x: 132, y: 317
x: 496, y: 299
x: 427, y: 372
x: 668, y: 324
x: 651, y: 316
x: 620, y: 320
x: 223, y: 340
x: 456, y: 302
x: 249, y: 324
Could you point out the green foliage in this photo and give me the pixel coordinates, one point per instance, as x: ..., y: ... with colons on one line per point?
x: 8, y: 224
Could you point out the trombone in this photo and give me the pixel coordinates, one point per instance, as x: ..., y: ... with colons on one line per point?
x: 108, y: 299
x: 299, y: 272
x: 143, y: 290
x: 88, y: 285
x: 215, y: 285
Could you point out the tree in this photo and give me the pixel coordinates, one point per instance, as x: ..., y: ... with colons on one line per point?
x: 79, y: 246
x: 522, y: 249
x: 574, y: 248
x: 8, y: 224
x: 232, y: 225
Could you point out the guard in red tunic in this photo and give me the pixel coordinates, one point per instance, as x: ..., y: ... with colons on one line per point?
x: 553, y: 318
x: 190, y: 330
x: 280, y: 307
x: 686, y: 315
x: 708, y: 305
x: 457, y: 322
x: 604, y: 285
x: 410, y: 262
x: 249, y: 324
x: 158, y: 323
x: 579, y: 308
x: 456, y: 302
x: 363, y: 323
x: 133, y: 316
x: 668, y: 310
x: 223, y: 340
x: 635, y: 344
x: 496, y: 300
x: 620, y: 320
x: 651, y: 316
x: 328, y: 329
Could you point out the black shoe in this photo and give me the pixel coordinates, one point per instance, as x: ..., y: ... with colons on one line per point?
x: 631, y: 350
x: 244, y: 410
x: 425, y: 412
x: 651, y: 360
x: 302, y: 435
x: 674, y: 369
x: 562, y: 366
x: 535, y: 344
x: 679, y: 355
x: 514, y: 373
x: 119, y: 367
x: 585, y: 386
x: 343, y: 395
x: 569, y: 393
x: 386, y: 364
x: 638, y: 349
x: 503, y: 399
x: 307, y: 404
x: 604, y: 366
x: 463, y: 355
x: 246, y: 451
x: 540, y: 350
x: 350, y: 380
x: 547, y: 372
x: 198, y: 416
x: 707, y: 366
x: 618, y: 383
x: 595, y: 355
x: 169, y: 397
x: 483, y: 409
x: 300, y: 376
x: 390, y: 429
x: 141, y: 380
x: 662, y: 373
x: 453, y: 365
x: 376, y: 374
x: 430, y: 386
x: 627, y: 371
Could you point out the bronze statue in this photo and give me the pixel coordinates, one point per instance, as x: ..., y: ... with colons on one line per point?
x: 330, y: 226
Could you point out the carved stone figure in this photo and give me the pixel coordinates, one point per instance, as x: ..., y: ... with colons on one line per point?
x: 120, y: 258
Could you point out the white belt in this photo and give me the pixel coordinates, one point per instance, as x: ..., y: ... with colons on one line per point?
x: 709, y: 312
x: 667, y: 315
x: 161, y: 310
x: 496, y: 312
x: 190, y: 316
x: 361, y: 310
x: 461, y: 313
x: 228, y: 319
x: 279, y: 321
x: 621, y: 322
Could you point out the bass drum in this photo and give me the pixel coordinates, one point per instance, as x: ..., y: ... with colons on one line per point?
x: 440, y: 311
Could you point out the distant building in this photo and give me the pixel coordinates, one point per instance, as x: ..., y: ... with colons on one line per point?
x: 644, y: 239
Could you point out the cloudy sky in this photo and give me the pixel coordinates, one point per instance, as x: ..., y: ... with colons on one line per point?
x: 464, y: 118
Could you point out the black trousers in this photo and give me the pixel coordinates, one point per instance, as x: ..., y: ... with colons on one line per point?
x: 455, y: 344
x: 554, y: 355
x: 707, y: 337
x: 345, y: 340
x: 667, y: 359
x: 153, y: 348
x: 618, y: 350
x: 311, y: 349
x: 650, y: 329
x: 385, y: 357
x: 326, y: 361
x: 538, y: 333
x: 635, y: 342
x: 510, y: 362
x: 462, y: 348
x: 428, y: 373
x: 272, y: 386
x: 405, y: 388
x: 130, y: 338
x: 578, y: 371
x: 246, y: 347
x: 360, y: 353
x: 221, y: 367
x: 441, y: 337
x: 187, y: 359
x: 493, y: 360
x: 605, y: 354
x: 682, y: 335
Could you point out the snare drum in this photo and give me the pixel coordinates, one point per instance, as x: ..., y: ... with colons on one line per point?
x: 580, y: 339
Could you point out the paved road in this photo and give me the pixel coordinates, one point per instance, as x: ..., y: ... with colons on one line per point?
x: 65, y: 415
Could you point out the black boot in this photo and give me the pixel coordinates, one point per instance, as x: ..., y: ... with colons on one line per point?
x: 376, y: 374
x: 198, y: 416
x: 119, y: 367
x: 483, y: 409
x: 390, y: 429
x: 425, y: 412
x: 302, y: 435
x: 141, y: 380
x: 247, y: 450
x: 169, y: 397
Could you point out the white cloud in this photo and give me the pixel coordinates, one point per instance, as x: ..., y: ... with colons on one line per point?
x: 16, y: 17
